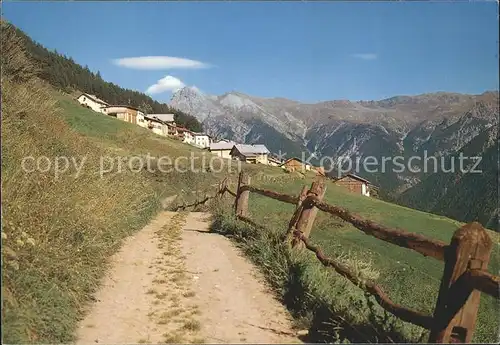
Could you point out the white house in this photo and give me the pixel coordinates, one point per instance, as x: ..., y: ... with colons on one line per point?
x: 250, y: 153
x: 185, y: 135
x: 92, y: 102
x: 188, y: 137
x: 156, y: 126
x: 141, y: 119
x: 125, y: 113
x: 222, y: 148
x: 201, y: 140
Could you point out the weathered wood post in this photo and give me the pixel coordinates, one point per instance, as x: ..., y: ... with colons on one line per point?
x: 457, y: 303
x: 222, y: 188
x: 225, y: 185
x: 241, y: 202
x: 296, y: 214
x: 309, y: 211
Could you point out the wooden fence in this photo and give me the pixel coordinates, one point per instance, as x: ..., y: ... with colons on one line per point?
x: 465, y: 258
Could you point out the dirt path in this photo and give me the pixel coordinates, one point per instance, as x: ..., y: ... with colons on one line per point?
x: 173, y: 282
x: 236, y: 306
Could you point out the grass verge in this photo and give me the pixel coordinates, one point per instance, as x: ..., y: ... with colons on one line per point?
x: 59, y: 231
x: 331, y: 307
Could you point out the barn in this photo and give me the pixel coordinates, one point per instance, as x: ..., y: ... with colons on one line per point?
x: 296, y: 164
x: 355, y: 184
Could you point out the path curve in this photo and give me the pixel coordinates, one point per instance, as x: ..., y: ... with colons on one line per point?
x: 174, y: 282
x: 237, y: 306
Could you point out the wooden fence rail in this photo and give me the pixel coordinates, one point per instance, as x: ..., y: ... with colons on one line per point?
x: 465, y: 259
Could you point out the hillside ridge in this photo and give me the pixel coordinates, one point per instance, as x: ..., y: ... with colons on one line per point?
x: 439, y: 124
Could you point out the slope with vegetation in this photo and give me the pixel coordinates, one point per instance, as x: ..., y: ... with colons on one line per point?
x: 65, y: 74
x: 59, y: 231
x: 399, y: 128
x: 327, y: 304
x: 471, y: 196
x: 57, y: 234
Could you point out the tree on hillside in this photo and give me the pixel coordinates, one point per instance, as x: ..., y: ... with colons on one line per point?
x: 63, y: 73
x: 15, y: 60
x: 146, y: 108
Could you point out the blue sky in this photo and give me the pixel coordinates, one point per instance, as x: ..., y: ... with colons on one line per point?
x: 300, y: 50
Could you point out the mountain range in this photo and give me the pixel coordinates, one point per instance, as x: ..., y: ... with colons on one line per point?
x: 442, y: 125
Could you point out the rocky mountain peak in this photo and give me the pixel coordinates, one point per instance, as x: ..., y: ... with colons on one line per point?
x: 191, y: 100
x: 440, y: 123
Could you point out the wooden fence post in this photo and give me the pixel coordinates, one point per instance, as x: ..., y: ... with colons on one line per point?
x: 222, y: 188
x: 457, y: 303
x: 308, y: 214
x: 296, y: 214
x: 241, y: 203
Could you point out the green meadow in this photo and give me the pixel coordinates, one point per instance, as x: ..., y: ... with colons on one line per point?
x: 409, y: 278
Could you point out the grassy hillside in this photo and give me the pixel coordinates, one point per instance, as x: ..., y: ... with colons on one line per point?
x: 58, y: 230
x: 63, y: 73
x: 317, y: 295
x: 463, y: 196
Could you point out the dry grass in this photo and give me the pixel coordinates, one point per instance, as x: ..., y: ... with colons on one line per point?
x: 322, y: 300
x: 151, y: 291
x: 319, y: 299
x: 173, y: 314
x: 175, y: 338
x: 192, y: 325
x: 59, y: 231
x: 198, y: 340
x: 189, y: 294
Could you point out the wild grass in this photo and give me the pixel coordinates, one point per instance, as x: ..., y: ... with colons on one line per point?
x: 58, y: 233
x: 332, y: 308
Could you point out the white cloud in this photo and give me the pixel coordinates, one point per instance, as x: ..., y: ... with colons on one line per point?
x: 159, y: 62
x: 167, y: 83
x: 365, y: 56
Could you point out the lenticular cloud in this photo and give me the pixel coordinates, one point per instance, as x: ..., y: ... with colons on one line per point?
x: 159, y: 62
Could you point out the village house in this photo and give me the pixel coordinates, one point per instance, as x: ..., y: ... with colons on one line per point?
x: 172, y: 129
x: 275, y: 162
x: 126, y: 113
x: 142, y: 119
x: 92, y: 102
x: 156, y: 126
x: 355, y: 184
x: 201, y: 140
x: 296, y: 164
x: 222, y: 148
x: 250, y: 153
x: 185, y: 135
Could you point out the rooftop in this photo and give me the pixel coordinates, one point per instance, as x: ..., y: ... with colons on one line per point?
x: 123, y: 106
x: 296, y: 159
x: 94, y: 98
x: 222, y: 145
x: 147, y: 117
x: 163, y: 117
x: 251, y: 150
x: 356, y: 177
